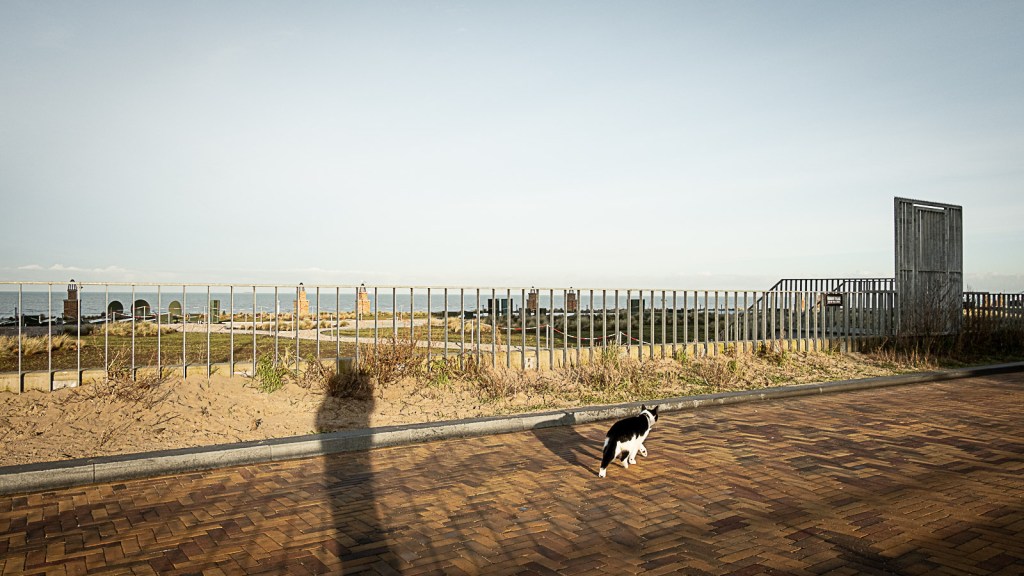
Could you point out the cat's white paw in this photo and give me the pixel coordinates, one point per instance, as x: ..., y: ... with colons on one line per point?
x: 625, y: 463
x: 632, y: 460
x: 601, y: 473
x: 643, y: 452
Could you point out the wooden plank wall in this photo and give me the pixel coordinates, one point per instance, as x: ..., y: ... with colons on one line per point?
x: 929, y: 266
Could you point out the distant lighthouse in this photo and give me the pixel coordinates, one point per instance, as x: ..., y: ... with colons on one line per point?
x: 301, y: 302
x: 362, y: 300
x: 72, y: 305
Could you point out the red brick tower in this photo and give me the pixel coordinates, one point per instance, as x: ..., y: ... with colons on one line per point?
x: 72, y: 305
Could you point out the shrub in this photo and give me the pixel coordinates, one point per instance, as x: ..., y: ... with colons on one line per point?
x: 455, y: 326
x: 349, y: 384
x: 442, y: 371
x: 73, y: 329
x: 497, y: 383
x: 345, y: 384
x: 391, y: 360
x: 773, y: 351
x: 269, y: 376
x: 141, y: 329
x: 615, y: 375
x: 63, y: 342
x: 31, y: 345
x: 144, y: 388
x: 716, y: 372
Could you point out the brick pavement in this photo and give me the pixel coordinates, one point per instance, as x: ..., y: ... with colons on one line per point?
x: 924, y: 479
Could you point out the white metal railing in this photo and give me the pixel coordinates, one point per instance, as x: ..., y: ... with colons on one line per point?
x: 207, y: 326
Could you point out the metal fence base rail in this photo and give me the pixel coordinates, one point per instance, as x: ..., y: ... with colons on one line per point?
x: 230, y: 329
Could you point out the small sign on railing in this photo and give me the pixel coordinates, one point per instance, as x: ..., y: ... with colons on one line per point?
x: 834, y: 300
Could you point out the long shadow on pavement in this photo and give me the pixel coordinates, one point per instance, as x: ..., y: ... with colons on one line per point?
x: 572, y: 447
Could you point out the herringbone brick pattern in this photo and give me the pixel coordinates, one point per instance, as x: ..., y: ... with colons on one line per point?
x: 924, y: 479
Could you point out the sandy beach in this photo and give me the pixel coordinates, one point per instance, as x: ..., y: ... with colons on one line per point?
x: 105, y: 417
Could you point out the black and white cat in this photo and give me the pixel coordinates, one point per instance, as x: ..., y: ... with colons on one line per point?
x: 626, y: 437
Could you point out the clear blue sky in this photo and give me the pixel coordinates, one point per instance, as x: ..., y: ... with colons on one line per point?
x: 655, y: 144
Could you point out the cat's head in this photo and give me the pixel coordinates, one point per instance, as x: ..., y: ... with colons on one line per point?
x: 653, y: 411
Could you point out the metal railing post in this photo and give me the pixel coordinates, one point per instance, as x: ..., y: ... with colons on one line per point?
x: 49, y: 337
x: 359, y: 314
x: 253, y: 330
x: 430, y: 340
x: 20, y: 319
x: 209, y: 322
x: 495, y: 335
x: 522, y: 327
x: 508, y: 327
x: 462, y: 327
x: 134, y: 312
x: 551, y: 329
x: 590, y: 343
x: 445, y: 349
x: 376, y: 322
x: 337, y: 330
x: 106, y: 329
x: 231, y: 333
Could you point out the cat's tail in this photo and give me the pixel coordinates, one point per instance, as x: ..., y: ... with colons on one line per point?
x: 608, y: 456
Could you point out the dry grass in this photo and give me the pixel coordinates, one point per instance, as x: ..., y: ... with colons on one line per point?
x: 31, y: 345
x: 717, y: 373
x: 494, y: 384
x: 349, y: 384
x: 610, y: 377
x: 286, y: 325
x: 391, y: 360
x: 141, y: 329
x: 455, y: 326
x: 773, y: 352
x: 329, y: 381
x: 145, y: 389
x: 325, y: 318
x: 613, y: 376
x: 387, y: 363
x: 980, y: 340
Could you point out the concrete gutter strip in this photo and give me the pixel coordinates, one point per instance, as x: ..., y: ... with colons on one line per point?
x: 55, y: 475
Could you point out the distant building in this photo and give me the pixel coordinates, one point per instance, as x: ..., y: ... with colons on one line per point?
x: 72, y: 305
x: 141, y: 308
x: 497, y: 306
x: 115, y: 309
x: 533, y: 300
x: 571, y: 303
x: 301, y: 305
x: 362, y: 301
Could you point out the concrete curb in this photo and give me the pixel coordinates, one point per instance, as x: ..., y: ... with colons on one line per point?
x: 55, y: 475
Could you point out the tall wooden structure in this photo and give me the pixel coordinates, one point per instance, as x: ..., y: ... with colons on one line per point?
x: 929, y: 266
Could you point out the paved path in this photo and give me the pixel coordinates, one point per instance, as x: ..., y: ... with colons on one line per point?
x: 924, y: 479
